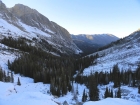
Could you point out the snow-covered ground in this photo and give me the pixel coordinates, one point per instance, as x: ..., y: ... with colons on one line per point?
x: 127, y: 93
x: 112, y: 101
x: 126, y: 55
x: 27, y: 31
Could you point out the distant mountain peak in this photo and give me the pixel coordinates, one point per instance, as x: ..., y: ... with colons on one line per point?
x: 2, y: 6
x: 90, y: 43
x: 20, y: 10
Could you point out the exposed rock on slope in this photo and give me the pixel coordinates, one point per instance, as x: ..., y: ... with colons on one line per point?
x: 22, y: 21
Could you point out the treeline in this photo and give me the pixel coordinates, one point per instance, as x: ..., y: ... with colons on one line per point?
x: 103, y: 78
x: 6, y: 77
x: 115, y: 75
x: 24, y: 44
x: 47, y: 69
x: 42, y: 66
x: 85, y: 62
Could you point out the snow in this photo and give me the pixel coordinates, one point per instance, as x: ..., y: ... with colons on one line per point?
x: 127, y: 56
x: 111, y: 101
x: 27, y: 32
x: 9, y: 96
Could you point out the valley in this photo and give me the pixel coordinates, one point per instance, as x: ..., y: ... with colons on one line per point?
x: 41, y: 63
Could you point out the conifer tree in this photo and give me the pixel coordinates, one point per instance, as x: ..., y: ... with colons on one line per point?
x: 84, y: 96
x: 119, y: 93
x: 9, y: 65
x: 106, y: 93
x: 139, y: 89
x: 111, y: 94
x: 93, y: 90
x: 116, y: 74
x: 18, y: 83
x: 12, y: 78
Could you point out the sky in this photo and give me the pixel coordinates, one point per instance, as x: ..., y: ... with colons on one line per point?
x: 117, y: 17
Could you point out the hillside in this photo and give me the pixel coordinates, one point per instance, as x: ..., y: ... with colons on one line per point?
x: 47, y: 35
x: 124, y: 52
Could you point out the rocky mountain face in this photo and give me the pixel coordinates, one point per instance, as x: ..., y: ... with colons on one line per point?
x: 124, y: 52
x: 90, y: 43
x: 22, y: 21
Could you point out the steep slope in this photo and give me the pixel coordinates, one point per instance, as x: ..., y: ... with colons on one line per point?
x: 90, y: 43
x: 124, y: 52
x: 22, y: 21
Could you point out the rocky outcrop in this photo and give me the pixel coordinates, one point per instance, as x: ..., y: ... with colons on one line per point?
x: 2, y: 6
x: 33, y: 18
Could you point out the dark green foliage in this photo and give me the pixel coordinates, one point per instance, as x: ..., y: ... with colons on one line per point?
x: 93, y: 90
x: 119, y: 93
x: 107, y: 93
x: 111, y: 94
x: 85, y: 62
x: 139, y: 89
x: 116, y: 76
x: 21, y: 44
x: 84, y: 97
x: 18, y: 82
x: 42, y: 66
x: 138, y: 73
x: 6, y: 77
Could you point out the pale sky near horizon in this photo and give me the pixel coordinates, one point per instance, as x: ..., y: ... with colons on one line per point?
x: 117, y: 17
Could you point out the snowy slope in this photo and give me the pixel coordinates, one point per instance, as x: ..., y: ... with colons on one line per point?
x: 125, y: 54
x: 28, y: 31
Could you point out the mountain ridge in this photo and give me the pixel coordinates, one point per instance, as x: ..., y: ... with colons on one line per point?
x: 123, y: 52
x: 33, y: 25
x: 91, y: 43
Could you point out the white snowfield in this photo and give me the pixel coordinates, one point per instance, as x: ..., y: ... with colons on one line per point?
x: 112, y: 101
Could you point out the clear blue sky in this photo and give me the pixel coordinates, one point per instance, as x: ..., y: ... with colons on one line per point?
x: 118, y: 17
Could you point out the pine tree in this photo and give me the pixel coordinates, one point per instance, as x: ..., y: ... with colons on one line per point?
x: 18, y: 83
x: 9, y: 65
x: 93, y: 90
x: 106, y: 93
x: 12, y: 78
x: 119, y: 93
x: 84, y: 96
x: 116, y: 75
x: 111, y: 93
x: 139, y: 89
